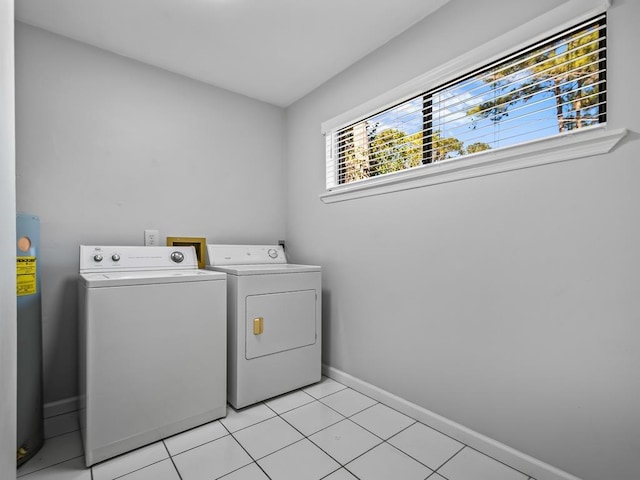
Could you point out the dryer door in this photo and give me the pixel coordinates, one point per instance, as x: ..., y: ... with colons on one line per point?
x: 276, y: 322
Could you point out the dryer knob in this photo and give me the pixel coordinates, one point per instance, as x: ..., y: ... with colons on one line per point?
x: 273, y: 253
x: 97, y: 257
x: 177, y: 257
x: 115, y: 257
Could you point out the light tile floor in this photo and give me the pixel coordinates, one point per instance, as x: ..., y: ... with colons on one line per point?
x: 325, y: 431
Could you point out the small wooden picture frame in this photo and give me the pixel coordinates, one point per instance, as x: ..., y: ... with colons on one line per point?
x: 200, y: 244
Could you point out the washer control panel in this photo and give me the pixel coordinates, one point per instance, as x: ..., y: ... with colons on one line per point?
x: 245, y: 254
x: 95, y: 258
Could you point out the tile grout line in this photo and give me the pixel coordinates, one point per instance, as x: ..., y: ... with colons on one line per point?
x: 61, y: 434
x: 200, y: 444
x: 247, y: 452
x: 496, y: 460
x: 59, y: 415
x: 137, y: 469
x: 304, y: 437
x: 49, y: 466
x: 171, y: 458
x: 450, y: 458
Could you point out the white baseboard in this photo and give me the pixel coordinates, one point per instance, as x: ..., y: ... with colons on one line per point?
x: 66, y: 405
x: 501, y: 452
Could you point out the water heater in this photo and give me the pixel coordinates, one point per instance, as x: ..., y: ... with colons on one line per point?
x: 30, y: 422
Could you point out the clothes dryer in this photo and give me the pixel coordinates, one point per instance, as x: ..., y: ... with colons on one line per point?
x: 152, y: 346
x: 274, y: 323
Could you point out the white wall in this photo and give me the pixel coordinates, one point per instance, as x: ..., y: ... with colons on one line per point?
x: 107, y: 147
x: 508, y: 303
x: 7, y: 247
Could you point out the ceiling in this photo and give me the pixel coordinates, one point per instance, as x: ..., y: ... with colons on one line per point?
x: 276, y: 51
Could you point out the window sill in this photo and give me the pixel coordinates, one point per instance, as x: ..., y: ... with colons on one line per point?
x: 569, y: 146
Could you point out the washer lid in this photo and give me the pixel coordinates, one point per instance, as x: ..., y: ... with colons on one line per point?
x: 111, y: 279
x: 265, y: 269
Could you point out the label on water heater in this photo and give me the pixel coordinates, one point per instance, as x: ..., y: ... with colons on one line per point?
x: 26, y: 276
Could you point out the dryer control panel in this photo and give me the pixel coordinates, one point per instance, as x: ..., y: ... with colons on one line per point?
x: 245, y: 255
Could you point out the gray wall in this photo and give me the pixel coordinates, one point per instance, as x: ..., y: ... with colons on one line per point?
x: 107, y: 147
x: 508, y: 303
x: 7, y: 247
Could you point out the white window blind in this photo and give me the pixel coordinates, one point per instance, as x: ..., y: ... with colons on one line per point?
x: 554, y: 86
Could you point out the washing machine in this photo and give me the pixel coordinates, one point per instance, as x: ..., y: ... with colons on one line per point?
x: 274, y: 322
x: 152, y: 346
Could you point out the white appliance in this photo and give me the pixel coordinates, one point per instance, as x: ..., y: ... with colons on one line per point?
x: 152, y: 346
x: 274, y: 321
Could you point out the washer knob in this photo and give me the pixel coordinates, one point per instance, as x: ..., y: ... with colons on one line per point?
x: 115, y: 257
x: 177, y: 257
x: 273, y: 253
x: 97, y: 257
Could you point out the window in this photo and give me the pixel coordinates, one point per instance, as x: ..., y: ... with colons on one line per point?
x: 548, y: 89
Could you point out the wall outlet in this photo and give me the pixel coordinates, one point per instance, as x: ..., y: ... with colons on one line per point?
x: 151, y: 238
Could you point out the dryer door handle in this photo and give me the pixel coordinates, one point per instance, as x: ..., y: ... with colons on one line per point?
x: 258, y: 325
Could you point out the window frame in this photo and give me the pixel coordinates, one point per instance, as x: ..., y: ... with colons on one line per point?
x: 583, y: 142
